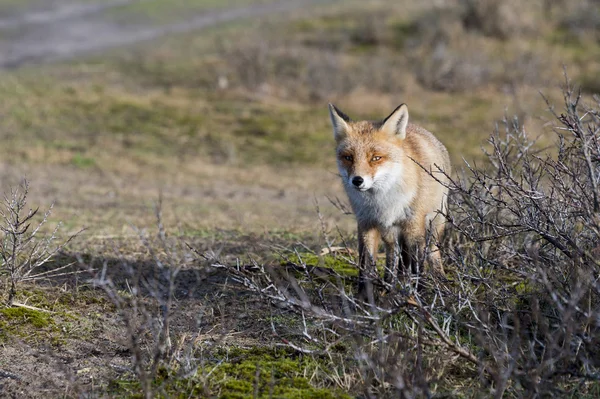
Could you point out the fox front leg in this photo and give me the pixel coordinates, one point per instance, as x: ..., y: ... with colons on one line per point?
x: 435, y: 224
x: 368, y: 243
x: 392, y: 257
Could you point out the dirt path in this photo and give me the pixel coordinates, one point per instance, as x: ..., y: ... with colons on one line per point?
x: 68, y: 29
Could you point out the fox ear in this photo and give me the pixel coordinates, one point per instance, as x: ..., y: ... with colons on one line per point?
x: 395, y: 124
x: 339, y: 120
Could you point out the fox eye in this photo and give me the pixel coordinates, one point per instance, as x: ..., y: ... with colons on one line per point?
x: 348, y: 158
x: 375, y: 158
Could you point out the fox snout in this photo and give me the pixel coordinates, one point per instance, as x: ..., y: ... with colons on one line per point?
x: 360, y: 183
x: 357, y: 181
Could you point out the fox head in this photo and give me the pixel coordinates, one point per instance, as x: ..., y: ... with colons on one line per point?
x: 369, y: 154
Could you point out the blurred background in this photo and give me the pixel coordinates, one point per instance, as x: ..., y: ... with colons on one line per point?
x: 222, y: 105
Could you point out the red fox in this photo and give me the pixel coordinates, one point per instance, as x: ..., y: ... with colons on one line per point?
x: 394, y: 199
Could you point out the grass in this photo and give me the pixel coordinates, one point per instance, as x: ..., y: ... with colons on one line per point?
x: 151, y: 127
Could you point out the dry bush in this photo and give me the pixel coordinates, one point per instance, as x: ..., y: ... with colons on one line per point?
x: 441, y: 53
x: 518, y: 314
x: 452, y: 46
x: 306, y: 73
x: 500, y: 18
x: 370, y: 30
x: 527, y: 239
x: 442, y: 67
x: 582, y: 19
x: 453, y: 66
x: 24, y: 250
x: 455, y: 47
x: 350, y: 29
x: 144, y: 295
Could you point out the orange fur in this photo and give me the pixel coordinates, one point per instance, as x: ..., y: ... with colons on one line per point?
x: 393, y: 198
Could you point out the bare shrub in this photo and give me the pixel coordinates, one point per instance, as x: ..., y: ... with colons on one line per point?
x: 447, y: 55
x: 24, y: 250
x: 582, y: 19
x: 533, y: 220
x: 351, y: 29
x: 325, y: 74
x: 518, y: 314
x: 499, y: 18
x: 442, y: 53
x: 144, y: 295
x: 370, y: 30
x: 250, y: 63
x: 307, y: 73
x: 444, y: 68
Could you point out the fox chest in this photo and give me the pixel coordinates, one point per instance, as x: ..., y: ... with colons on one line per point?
x: 382, y: 209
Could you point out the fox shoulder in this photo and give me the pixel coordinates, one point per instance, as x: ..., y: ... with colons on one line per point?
x: 425, y: 139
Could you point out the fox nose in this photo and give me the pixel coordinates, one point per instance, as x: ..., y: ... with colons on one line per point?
x: 357, y: 181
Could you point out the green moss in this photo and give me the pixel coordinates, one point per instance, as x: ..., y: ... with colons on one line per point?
x: 335, y: 263
x: 60, y: 302
x: 18, y: 316
x: 523, y: 287
x: 58, y: 319
x: 289, y: 236
x: 276, y: 371
x: 83, y: 162
x: 322, y: 23
x: 258, y: 372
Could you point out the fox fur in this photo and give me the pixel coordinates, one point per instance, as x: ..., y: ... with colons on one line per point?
x: 384, y: 169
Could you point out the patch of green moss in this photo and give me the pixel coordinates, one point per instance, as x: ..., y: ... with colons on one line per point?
x: 58, y: 318
x: 82, y: 161
x: 82, y: 298
x: 60, y: 302
x: 33, y: 326
x: 148, y: 126
x: 18, y: 316
x: 258, y: 372
x: 336, y: 263
x: 523, y: 288
x: 567, y: 39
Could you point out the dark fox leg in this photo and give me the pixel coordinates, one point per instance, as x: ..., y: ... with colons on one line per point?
x: 406, y: 262
x: 368, y: 243
x: 392, y: 258
x: 436, y: 230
